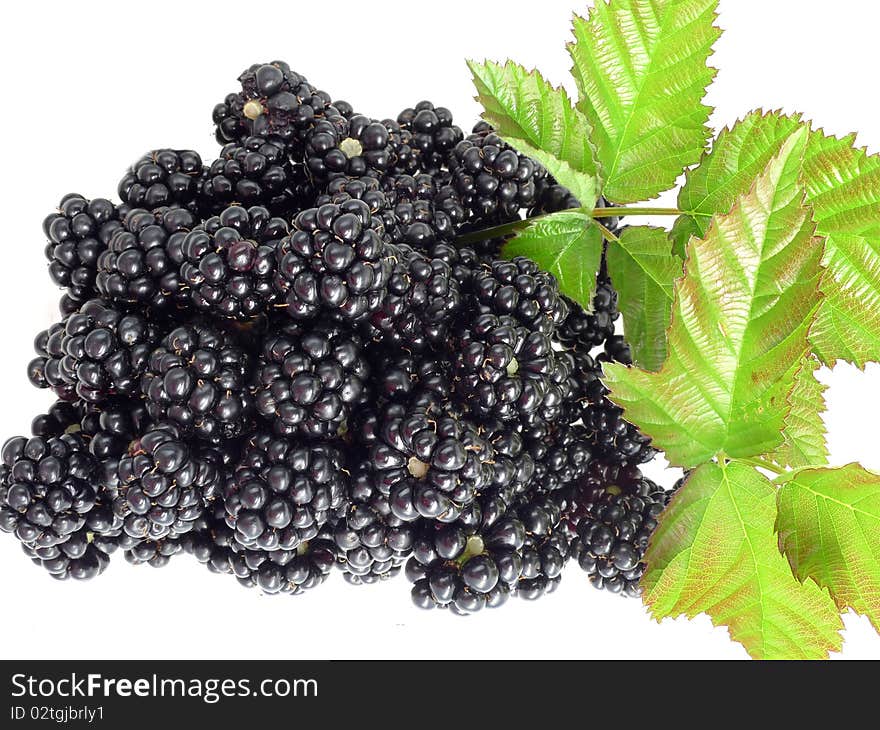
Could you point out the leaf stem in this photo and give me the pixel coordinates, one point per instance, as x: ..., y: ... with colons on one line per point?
x: 608, y: 233
x: 764, y: 464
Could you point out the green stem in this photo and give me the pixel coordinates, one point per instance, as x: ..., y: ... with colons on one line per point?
x: 764, y: 464
x: 608, y: 233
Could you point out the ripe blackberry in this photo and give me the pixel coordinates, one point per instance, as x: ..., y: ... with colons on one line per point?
x: 616, y: 350
x: 466, y: 571
x: 228, y: 262
x: 337, y: 146
x: 578, y: 499
x: 283, y: 492
x: 553, y: 198
x: 464, y: 261
x: 274, y: 101
x: 402, y: 376
x: 425, y: 209
x: 492, y: 179
x: 164, y: 484
x: 254, y: 171
x: 110, y: 427
x: 162, y: 178
x: 429, y: 461
x: 198, y: 378
x: 504, y: 370
x: 434, y: 135
x: 335, y: 260
x: 365, y: 188
x: 546, y: 548
x: 519, y: 288
x: 613, y: 437
x: 593, y: 329
x: 138, y: 266
x: 290, y: 572
x: 155, y: 553
x: 613, y: 537
x: 47, y: 489
x: 76, y: 559
x: 561, y: 459
x: 373, y: 543
x: 423, y: 298
x: 77, y: 235
x: 105, y: 351
x: 308, y: 380
x: 61, y: 417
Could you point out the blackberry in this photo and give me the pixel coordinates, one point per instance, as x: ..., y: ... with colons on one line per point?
x: 336, y: 260
x: 611, y: 435
x: 77, y: 235
x: 578, y: 499
x: 308, y: 380
x: 492, y: 179
x: 467, y: 571
x: 164, y: 484
x: 613, y: 537
x: 61, y: 417
x: 504, y: 370
x: 337, y: 146
x: 254, y: 171
x: 425, y: 210
x: 519, y: 288
x: 228, y: 262
x: 283, y: 492
x: 423, y: 298
x: 162, y: 178
x: 105, y: 351
x: 47, y: 490
x: 274, y: 101
x: 546, y: 549
x: 198, y: 378
x: 155, y: 553
x: 553, y: 198
x: 616, y: 350
x: 430, y: 462
x: 403, y: 376
x: 561, y: 459
x: 464, y: 261
x: 138, y: 266
x: 434, y: 135
x: 373, y: 543
x: 290, y: 572
x: 110, y: 427
x: 76, y: 559
x: 591, y: 329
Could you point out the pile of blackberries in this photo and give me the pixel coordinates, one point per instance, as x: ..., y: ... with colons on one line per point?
x: 283, y: 362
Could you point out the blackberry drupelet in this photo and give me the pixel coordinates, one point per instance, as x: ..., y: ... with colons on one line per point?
x: 254, y: 171
x: 164, y: 484
x: 336, y: 260
x: 337, y: 146
x: 467, y: 570
x: 283, y: 492
x: 105, y: 350
x: 47, y: 489
x: 308, y: 380
x: 139, y: 266
x: 198, y: 377
x: 273, y: 101
x: 162, y: 178
x: 519, y: 288
x: 227, y: 264
x: 77, y: 235
x: 434, y: 135
x: 613, y: 537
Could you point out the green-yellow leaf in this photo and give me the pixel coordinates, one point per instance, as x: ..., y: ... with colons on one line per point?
x: 739, y: 320
x: 737, y: 157
x: 643, y: 269
x: 829, y: 527
x: 541, y: 122
x: 804, y: 432
x: 716, y: 552
x: 641, y: 70
x: 568, y: 244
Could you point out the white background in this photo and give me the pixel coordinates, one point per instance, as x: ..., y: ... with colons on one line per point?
x: 88, y: 87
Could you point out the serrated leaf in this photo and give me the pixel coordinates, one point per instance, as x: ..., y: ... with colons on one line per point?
x: 541, y: 122
x: 643, y: 269
x: 641, y: 70
x: 804, y: 431
x: 716, y: 552
x: 847, y: 326
x: 739, y: 320
x: 738, y: 156
x: 829, y: 527
x: 568, y: 244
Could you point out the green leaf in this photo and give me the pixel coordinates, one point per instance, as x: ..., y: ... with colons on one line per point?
x: 804, y: 431
x: 568, y: 244
x: 640, y: 66
x: 643, y: 269
x: 716, y: 552
x: 847, y: 325
x: 739, y: 320
x: 829, y: 527
x: 738, y: 156
x: 541, y: 122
